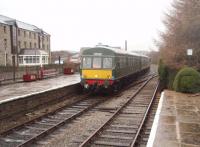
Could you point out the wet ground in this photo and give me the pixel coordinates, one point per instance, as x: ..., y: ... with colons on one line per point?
x: 17, y: 90
x: 177, y: 121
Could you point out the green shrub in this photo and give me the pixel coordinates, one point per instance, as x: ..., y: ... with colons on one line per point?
x: 170, y: 77
x: 162, y: 72
x: 187, y: 80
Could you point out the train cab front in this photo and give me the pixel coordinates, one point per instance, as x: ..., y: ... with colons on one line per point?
x: 96, y: 72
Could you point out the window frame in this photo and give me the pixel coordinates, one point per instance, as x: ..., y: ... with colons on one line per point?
x: 82, y: 65
x: 93, y: 62
x: 103, y: 63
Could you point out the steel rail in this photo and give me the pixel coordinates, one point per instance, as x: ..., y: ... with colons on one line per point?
x: 145, y: 116
x: 40, y: 117
x: 45, y: 132
x: 92, y: 136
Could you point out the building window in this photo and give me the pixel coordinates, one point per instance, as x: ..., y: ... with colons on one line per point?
x: 34, y: 36
x: 43, y: 59
x: 19, y: 44
x: 37, y: 59
x: 4, y: 29
x: 20, y: 59
x: 43, y: 46
x: 34, y: 59
x: 5, y: 43
x: 24, y: 44
x: 24, y: 33
x: 27, y: 59
x: 30, y: 45
x: 19, y: 32
x: 29, y: 34
x: 35, y: 45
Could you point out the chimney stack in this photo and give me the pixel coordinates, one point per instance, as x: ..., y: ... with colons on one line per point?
x: 125, y: 45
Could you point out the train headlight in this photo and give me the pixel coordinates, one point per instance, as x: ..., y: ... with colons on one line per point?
x: 86, y: 86
x: 108, y: 76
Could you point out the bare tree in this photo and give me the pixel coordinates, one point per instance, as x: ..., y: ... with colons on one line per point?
x: 182, y: 32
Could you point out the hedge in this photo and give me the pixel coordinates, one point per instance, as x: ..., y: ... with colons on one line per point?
x: 187, y: 80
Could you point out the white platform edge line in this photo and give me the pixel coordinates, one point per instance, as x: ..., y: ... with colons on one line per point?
x: 155, y: 123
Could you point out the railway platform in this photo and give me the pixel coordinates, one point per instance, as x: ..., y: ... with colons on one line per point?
x: 177, y: 121
x: 20, y: 90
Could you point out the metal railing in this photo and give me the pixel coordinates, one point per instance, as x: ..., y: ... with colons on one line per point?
x: 15, y: 74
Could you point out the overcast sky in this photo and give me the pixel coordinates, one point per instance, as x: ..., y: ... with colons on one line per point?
x: 80, y: 23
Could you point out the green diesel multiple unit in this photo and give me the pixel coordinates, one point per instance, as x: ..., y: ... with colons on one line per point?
x: 103, y: 66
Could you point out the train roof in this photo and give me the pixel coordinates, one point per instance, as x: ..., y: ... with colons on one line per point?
x: 117, y: 51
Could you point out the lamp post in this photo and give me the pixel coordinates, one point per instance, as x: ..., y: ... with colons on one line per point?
x: 190, y: 54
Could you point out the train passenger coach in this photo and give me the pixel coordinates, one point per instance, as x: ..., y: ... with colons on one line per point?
x: 106, y: 67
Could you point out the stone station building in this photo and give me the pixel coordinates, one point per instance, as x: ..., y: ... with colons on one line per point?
x: 18, y: 40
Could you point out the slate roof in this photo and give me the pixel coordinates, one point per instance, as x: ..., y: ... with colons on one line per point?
x: 20, y: 24
x: 32, y: 52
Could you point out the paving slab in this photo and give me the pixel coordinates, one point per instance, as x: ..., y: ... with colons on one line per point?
x: 19, y: 90
x: 177, y: 121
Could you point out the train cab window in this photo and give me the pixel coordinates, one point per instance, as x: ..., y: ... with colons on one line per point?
x: 96, y: 62
x: 107, y: 62
x: 87, y: 62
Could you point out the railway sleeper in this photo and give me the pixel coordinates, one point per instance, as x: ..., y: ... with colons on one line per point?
x: 121, y: 131
x: 115, y: 140
x: 107, y: 143
x: 79, y: 107
x: 26, y: 134
x: 117, y: 137
x: 36, y: 128
x: 8, y: 140
x: 122, y: 128
x: 131, y: 115
x: 53, y: 119
x: 125, y: 126
x: 44, y: 123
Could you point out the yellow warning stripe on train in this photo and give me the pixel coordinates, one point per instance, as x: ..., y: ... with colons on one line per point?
x: 96, y: 74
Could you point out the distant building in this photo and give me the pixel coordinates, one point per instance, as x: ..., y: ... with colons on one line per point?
x: 22, y: 43
x: 75, y: 58
x: 63, y: 55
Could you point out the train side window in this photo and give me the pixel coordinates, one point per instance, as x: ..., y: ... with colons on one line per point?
x: 107, y: 62
x: 87, y: 62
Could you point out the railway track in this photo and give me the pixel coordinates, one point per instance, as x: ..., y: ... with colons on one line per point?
x: 33, y: 131
x: 146, y: 128
x: 29, y: 133
x: 124, y: 126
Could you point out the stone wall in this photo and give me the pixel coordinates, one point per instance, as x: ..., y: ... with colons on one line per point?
x: 25, y: 39
x: 28, y: 37
x: 5, y: 44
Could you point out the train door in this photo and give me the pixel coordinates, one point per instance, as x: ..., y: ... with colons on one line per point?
x: 117, y: 66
